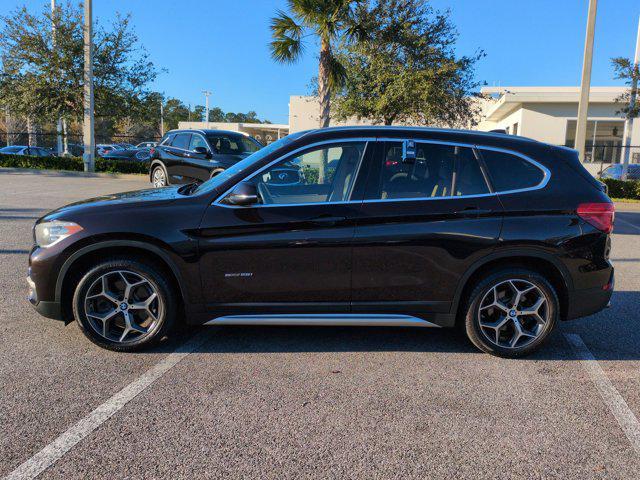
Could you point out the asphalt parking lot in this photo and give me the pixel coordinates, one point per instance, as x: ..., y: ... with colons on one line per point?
x: 294, y: 402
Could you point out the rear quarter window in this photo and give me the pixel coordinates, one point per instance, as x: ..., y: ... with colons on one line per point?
x: 510, y: 172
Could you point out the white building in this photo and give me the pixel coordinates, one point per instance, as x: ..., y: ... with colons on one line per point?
x: 547, y: 114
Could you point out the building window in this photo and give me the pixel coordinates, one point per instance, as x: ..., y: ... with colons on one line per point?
x: 604, y: 140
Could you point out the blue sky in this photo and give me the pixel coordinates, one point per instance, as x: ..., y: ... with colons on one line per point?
x: 221, y: 45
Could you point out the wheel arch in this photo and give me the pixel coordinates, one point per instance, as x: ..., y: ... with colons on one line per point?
x: 541, y: 262
x: 85, y: 256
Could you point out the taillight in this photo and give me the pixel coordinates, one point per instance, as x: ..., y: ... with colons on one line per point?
x: 152, y: 150
x: 600, y: 215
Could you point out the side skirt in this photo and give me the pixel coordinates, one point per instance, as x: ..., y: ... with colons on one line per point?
x: 343, y: 319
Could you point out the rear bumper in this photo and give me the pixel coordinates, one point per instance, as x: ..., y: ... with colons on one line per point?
x: 582, y: 303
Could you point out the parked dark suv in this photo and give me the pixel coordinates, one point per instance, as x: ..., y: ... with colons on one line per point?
x: 185, y: 156
x: 501, y: 235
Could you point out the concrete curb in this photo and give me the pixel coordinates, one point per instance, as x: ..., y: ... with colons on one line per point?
x: 70, y: 173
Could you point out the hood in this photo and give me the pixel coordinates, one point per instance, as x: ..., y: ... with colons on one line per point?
x: 147, y: 198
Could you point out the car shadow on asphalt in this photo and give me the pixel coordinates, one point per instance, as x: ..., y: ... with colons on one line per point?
x: 613, y: 334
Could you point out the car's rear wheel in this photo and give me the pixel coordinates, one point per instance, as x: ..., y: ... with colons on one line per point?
x: 511, y: 312
x: 123, y: 304
x: 159, y: 177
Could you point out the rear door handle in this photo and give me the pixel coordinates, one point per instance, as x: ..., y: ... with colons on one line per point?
x: 473, y: 212
x: 327, y: 220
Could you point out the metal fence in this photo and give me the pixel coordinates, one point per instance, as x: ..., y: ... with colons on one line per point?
x: 601, y: 156
x: 74, y: 141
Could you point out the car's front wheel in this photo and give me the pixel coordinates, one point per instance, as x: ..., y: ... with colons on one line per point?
x: 159, y: 177
x: 124, y: 304
x: 511, y: 312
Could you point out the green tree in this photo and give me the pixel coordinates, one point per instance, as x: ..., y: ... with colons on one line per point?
x: 625, y: 69
x: 406, y: 69
x: 329, y: 21
x: 43, y: 79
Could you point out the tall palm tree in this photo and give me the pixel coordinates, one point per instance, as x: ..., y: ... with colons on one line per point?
x: 329, y: 21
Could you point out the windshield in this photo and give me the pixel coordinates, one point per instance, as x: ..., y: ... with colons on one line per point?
x: 242, y: 165
x: 232, y: 145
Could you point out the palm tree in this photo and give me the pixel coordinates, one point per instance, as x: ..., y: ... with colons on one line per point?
x: 329, y: 21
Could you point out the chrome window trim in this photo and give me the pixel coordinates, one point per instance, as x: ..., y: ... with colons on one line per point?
x: 475, y: 147
x: 546, y: 172
x: 287, y: 155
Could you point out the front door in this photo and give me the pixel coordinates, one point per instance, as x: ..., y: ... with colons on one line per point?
x: 422, y: 223
x: 292, y: 251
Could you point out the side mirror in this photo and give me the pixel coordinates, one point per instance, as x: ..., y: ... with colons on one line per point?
x: 202, y: 151
x: 243, y: 195
x: 408, y: 151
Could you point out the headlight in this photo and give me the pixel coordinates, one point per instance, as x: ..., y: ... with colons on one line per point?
x: 49, y: 233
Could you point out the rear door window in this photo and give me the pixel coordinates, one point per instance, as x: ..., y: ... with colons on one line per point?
x: 469, y: 177
x: 511, y: 172
x: 430, y: 175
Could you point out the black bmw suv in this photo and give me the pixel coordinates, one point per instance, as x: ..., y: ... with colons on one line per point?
x: 185, y: 156
x: 501, y: 235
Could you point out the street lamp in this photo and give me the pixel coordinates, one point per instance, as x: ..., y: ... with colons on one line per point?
x: 207, y: 94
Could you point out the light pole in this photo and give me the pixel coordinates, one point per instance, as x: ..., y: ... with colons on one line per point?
x: 628, y: 124
x: 207, y: 94
x: 88, y: 104
x: 585, y: 86
x: 161, y: 118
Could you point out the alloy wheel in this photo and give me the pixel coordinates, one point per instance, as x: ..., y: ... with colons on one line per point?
x: 513, y: 313
x: 123, y: 307
x: 159, y: 178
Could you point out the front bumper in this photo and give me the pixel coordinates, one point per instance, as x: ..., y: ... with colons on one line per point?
x: 46, y: 309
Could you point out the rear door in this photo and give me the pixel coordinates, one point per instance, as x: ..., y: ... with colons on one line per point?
x: 420, y: 227
x: 174, y: 158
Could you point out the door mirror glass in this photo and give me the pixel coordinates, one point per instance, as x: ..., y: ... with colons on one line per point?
x: 409, y: 151
x: 243, y: 195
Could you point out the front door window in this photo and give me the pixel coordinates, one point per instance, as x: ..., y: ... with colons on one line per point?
x: 320, y: 175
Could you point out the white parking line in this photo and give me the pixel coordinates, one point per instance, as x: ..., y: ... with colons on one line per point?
x: 617, y: 405
x: 629, y: 224
x: 61, y: 445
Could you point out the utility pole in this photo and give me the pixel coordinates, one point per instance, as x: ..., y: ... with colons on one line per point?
x: 585, y: 86
x: 161, y: 118
x: 88, y: 126
x: 628, y: 123
x: 207, y: 94
x: 53, y: 41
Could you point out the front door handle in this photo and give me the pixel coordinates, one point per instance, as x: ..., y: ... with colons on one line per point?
x: 327, y: 220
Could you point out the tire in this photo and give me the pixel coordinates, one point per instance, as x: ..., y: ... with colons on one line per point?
x: 497, y: 326
x: 159, y: 177
x: 101, y: 309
